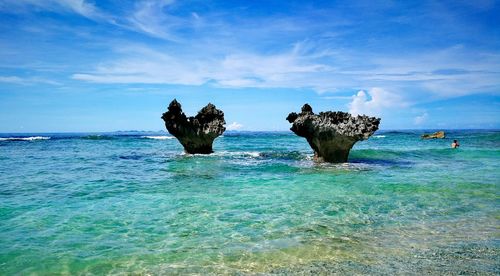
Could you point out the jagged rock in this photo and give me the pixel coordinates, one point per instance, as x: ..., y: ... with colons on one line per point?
x: 196, y: 134
x: 331, y: 134
x: 435, y: 135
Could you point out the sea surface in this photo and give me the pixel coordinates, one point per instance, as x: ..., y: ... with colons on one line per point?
x: 134, y: 203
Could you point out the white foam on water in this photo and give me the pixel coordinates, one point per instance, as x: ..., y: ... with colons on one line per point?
x: 252, y: 153
x: 238, y: 153
x: 379, y: 136
x: 33, y: 138
x: 158, y: 137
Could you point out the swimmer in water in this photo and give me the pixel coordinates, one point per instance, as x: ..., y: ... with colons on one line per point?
x: 455, y: 144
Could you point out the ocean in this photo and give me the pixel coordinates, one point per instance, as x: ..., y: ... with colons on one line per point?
x: 134, y: 203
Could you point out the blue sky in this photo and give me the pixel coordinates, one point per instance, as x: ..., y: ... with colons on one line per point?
x: 75, y: 65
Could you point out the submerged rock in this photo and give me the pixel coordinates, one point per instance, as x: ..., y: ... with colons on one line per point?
x: 435, y: 135
x: 332, y: 134
x: 196, y: 134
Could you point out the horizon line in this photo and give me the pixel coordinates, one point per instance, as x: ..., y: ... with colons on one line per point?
x: 242, y: 131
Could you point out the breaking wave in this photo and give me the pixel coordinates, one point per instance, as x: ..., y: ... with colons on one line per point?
x: 33, y: 138
x: 158, y: 137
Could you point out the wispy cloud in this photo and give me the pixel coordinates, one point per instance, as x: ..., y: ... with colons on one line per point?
x: 226, y: 51
x: 436, y: 74
x: 81, y: 7
x: 143, y: 65
x: 453, y: 71
x: 26, y: 81
x: 224, y: 56
x: 388, y: 55
x: 150, y: 17
x: 281, y: 70
x: 11, y: 79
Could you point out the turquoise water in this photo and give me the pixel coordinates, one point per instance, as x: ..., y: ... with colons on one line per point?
x: 115, y: 203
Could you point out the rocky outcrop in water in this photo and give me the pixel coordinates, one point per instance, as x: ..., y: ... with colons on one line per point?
x: 196, y: 134
x: 332, y: 134
x: 435, y: 135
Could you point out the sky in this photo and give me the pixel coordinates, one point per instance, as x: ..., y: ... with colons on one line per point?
x: 108, y: 65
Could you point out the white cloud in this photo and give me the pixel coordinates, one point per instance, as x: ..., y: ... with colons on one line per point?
x: 26, y: 81
x: 224, y: 51
x: 421, y: 118
x: 143, y: 65
x: 234, y: 126
x: 379, y: 101
x: 408, y: 79
x: 81, y: 7
x: 449, y: 72
x: 150, y: 17
x: 11, y: 79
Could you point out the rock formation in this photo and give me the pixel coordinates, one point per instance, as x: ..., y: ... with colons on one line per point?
x: 196, y: 134
x: 435, y: 135
x: 332, y: 134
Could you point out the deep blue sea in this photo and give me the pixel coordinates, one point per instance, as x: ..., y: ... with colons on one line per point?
x: 134, y: 203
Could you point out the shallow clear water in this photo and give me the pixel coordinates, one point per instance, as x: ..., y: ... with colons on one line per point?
x: 109, y: 203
